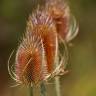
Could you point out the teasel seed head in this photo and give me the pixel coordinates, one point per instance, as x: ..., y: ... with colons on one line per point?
x: 66, y: 24
x: 30, y: 64
x: 42, y: 24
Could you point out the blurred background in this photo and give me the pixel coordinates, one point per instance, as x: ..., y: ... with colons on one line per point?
x: 81, y: 80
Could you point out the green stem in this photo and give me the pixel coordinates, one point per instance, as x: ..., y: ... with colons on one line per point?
x: 30, y: 91
x: 43, y: 89
x: 57, y: 80
x: 57, y: 86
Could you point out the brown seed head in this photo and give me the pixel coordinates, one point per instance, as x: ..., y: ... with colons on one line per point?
x: 66, y: 25
x: 60, y: 13
x: 42, y: 25
x: 29, y: 60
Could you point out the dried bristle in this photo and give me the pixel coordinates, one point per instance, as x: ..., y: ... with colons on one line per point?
x: 29, y: 60
x: 42, y: 24
x: 60, y: 12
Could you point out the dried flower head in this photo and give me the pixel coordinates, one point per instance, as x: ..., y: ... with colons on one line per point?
x: 30, y: 60
x: 65, y: 23
x: 42, y: 25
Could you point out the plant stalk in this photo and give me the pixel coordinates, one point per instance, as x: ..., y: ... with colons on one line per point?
x: 30, y: 91
x: 57, y: 86
x: 57, y: 80
x: 43, y: 89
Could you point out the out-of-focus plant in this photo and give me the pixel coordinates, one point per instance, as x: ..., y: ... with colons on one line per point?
x: 42, y: 53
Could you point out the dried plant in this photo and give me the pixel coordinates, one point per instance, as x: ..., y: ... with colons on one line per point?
x: 39, y: 57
